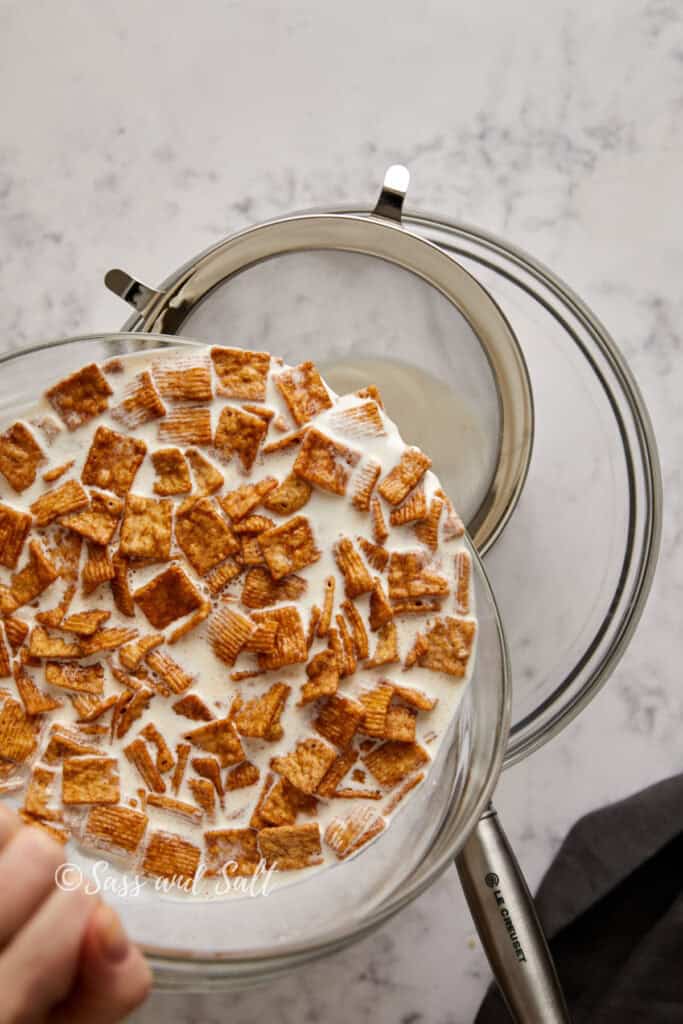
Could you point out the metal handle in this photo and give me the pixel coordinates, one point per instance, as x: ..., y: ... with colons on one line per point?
x: 508, y: 927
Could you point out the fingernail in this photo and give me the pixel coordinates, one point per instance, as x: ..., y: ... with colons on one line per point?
x: 113, y: 939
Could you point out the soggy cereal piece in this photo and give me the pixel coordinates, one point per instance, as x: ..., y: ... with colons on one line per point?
x: 363, y: 420
x: 113, y: 460
x: 260, y: 717
x: 289, y: 547
x: 188, y: 425
x: 241, y: 374
x: 97, y: 522
x: 133, y: 653
x: 203, y: 534
x: 449, y: 645
x: 376, y: 555
x: 65, y: 551
x: 410, y: 469
x: 14, y: 528
x: 412, y: 510
x: 5, y: 666
x: 139, y: 756
x: 392, y: 761
x: 98, y: 568
x: 193, y: 707
x: 364, y: 484
x: 204, y: 795
x: 386, y: 651
x: 146, y: 529
x: 207, y: 477
x: 167, y: 597
x: 291, y: 847
x: 184, y: 379
x: 217, y: 579
x: 289, y: 496
x: 79, y: 678
x: 182, y: 751
x: 357, y: 579
x: 242, y: 776
x: 68, y: 497
x: 304, y: 391
x: 131, y: 707
x: 56, y: 832
x: 7, y: 602
x: 17, y: 732
x: 209, y: 768
x: 53, y: 617
x: 381, y: 611
x: 90, y: 780
x: 20, y: 456
x: 243, y: 500
x: 141, y: 403
x: 120, y: 586
x: 336, y: 772
x: 181, y: 809
x: 415, y: 698
x: 40, y: 794
x: 262, y: 640
x: 283, y: 444
x: 108, y: 639
x: 42, y: 645
x: 172, y: 472
x: 89, y: 708
x: 49, y: 427
x: 231, y: 851
x: 115, y: 829
x: 219, y: 738
x: 396, y: 797
x: 50, y: 475
x: 323, y: 677
x: 228, y: 632
x: 305, y: 767
x: 380, y: 531
x: 35, y: 701
x: 169, y: 856
x: 428, y: 530
x: 261, y: 590
x: 164, y: 759
x: 348, y: 655
x: 290, y: 642
x: 410, y: 577
x: 80, y: 397
x: 375, y: 707
x: 399, y: 724
x: 239, y: 433
x: 16, y: 631
x: 176, y: 678
x: 463, y: 575
x: 283, y: 804
x: 347, y: 835
x: 65, y: 742
x: 324, y: 462
x: 339, y: 719
x: 250, y: 550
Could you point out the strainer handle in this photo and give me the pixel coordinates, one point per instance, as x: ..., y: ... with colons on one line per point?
x: 508, y: 926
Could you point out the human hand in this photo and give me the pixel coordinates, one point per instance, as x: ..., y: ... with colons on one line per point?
x: 64, y: 956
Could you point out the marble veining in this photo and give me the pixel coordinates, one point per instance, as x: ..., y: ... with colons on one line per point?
x: 133, y: 140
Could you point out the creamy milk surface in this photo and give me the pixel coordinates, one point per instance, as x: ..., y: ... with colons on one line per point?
x: 331, y: 517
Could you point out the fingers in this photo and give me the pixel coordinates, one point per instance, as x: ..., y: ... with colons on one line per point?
x: 27, y: 875
x: 113, y: 977
x: 9, y: 825
x: 37, y: 969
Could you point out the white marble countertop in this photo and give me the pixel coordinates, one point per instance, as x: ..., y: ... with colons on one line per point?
x: 135, y: 134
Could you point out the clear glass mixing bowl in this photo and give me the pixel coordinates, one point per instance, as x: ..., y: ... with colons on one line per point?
x: 195, y: 944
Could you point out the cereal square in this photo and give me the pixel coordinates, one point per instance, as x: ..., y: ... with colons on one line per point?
x: 289, y: 547
x: 290, y: 847
x: 207, y: 477
x: 80, y: 397
x: 239, y: 433
x: 167, y: 597
x: 325, y: 462
x: 304, y: 391
x: 190, y: 425
x: 140, y: 404
x: 186, y: 378
x: 290, y: 641
x: 17, y: 732
x: 305, y: 767
x: 410, y: 469
x: 68, y: 497
x: 169, y: 856
x: 146, y: 528
x: 233, y: 851
x: 20, y: 455
x: 449, y: 645
x: 228, y: 632
x: 241, y: 374
x: 113, y: 460
x: 14, y: 528
x: 204, y: 535
x: 260, y: 716
x: 393, y: 760
x: 99, y: 520
x: 338, y: 720
x: 90, y: 780
x: 115, y: 828
x: 173, y: 472
x: 219, y: 738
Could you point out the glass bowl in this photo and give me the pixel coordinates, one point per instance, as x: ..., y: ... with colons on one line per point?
x: 205, y: 943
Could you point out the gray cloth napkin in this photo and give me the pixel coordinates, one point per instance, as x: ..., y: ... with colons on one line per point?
x: 612, y: 906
